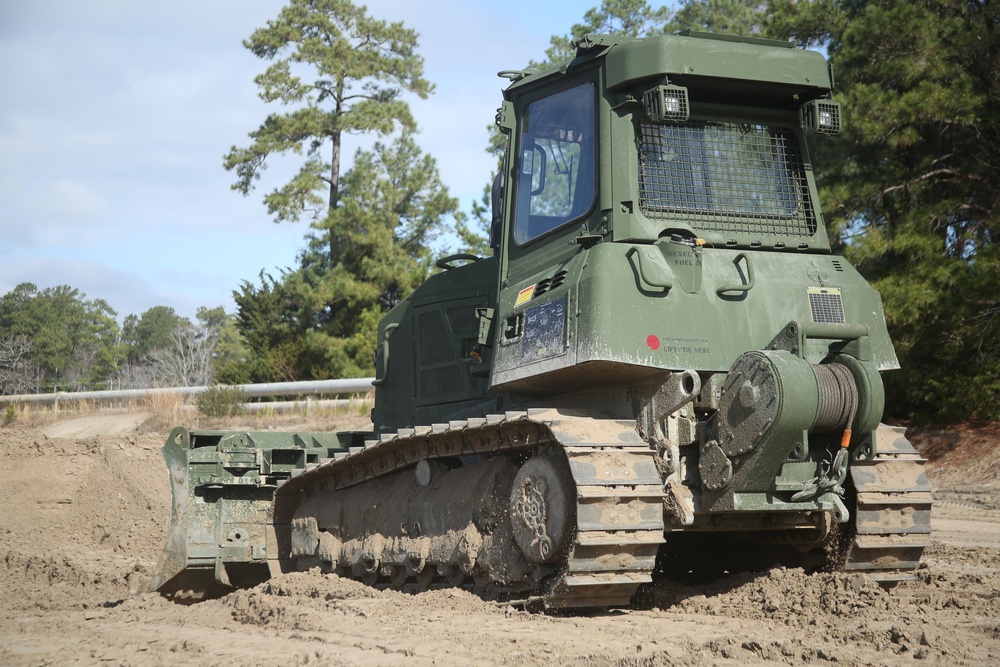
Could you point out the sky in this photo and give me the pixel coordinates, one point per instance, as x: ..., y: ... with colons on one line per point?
x: 115, y: 116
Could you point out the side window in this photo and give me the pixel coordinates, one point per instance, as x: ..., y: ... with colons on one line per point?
x: 556, y: 174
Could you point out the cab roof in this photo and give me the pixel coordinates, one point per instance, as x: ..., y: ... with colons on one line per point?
x: 696, y: 56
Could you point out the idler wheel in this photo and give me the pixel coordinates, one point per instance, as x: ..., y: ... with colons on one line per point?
x: 542, y: 508
x: 425, y: 577
x: 452, y: 573
x: 397, y: 576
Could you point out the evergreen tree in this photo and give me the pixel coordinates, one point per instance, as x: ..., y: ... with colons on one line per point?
x: 392, y: 207
x: 74, y: 341
x: 732, y: 17
x: 342, y: 72
x: 150, y: 331
x: 636, y: 18
x: 321, y: 320
x: 911, y: 188
x: 266, y: 317
x: 631, y: 18
x: 357, y: 69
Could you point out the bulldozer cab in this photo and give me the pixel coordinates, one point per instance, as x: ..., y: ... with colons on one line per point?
x: 661, y: 147
x: 694, y: 134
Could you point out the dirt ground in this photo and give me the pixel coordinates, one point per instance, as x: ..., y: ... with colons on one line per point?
x: 85, y: 510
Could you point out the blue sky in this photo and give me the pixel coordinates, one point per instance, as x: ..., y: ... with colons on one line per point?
x: 115, y: 115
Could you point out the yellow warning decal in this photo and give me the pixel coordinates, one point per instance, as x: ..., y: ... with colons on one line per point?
x: 524, y: 296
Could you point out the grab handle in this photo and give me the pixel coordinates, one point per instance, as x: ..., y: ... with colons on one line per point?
x: 649, y: 265
x: 739, y: 287
x: 389, y: 328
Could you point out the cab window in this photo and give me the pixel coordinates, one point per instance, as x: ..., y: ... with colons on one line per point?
x: 555, y: 170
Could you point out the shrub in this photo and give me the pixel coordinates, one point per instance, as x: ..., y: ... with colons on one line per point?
x: 10, y: 415
x: 221, y: 401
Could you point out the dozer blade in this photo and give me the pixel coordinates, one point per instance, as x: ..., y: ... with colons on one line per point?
x: 222, y: 485
x: 173, y: 561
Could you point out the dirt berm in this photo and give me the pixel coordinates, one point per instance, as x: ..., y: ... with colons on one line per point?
x: 85, y: 509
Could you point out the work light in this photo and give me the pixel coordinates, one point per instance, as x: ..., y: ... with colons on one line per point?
x: 821, y: 117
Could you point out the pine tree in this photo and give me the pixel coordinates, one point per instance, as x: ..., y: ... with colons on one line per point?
x: 341, y: 71
x: 630, y: 18
x: 370, y: 229
x: 911, y: 189
x: 392, y: 208
x: 732, y: 17
x: 73, y: 341
x: 266, y: 317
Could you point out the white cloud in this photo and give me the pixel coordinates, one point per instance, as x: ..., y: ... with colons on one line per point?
x: 117, y: 115
x: 68, y: 201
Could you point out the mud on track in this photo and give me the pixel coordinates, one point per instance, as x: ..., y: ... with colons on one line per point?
x: 84, y: 518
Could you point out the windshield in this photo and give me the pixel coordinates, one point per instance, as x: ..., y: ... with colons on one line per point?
x: 729, y: 176
x: 556, y: 166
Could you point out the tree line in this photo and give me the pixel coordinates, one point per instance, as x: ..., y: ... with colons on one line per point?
x: 909, y: 191
x: 57, y: 339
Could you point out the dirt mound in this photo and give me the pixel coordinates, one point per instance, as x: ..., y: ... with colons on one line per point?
x: 95, y: 493
x: 316, y: 597
x: 789, y: 596
x: 86, y: 516
x: 973, y: 448
x: 963, y: 461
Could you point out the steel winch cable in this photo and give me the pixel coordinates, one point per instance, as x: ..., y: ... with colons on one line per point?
x: 838, y: 405
x: 838, y: 398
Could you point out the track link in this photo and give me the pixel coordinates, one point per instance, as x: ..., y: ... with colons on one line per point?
x: 618, y: 512
x: 893, y: 515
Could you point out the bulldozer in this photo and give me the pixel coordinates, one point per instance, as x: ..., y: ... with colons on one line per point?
x: 662, y: 346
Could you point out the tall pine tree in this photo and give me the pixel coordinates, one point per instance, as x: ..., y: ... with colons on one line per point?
x: 393, y: 206
x: 341, y: 71
x: 912, y: 187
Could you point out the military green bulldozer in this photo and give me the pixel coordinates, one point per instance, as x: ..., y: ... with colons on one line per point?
x: 661, y: 346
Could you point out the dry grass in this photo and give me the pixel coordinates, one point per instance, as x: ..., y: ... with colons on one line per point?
x: 38, y: 414
x: 164, y: 412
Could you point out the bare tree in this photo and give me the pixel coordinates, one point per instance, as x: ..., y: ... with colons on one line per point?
x: 187, y: 359
x: 79, y: 374
x: 17, y: 368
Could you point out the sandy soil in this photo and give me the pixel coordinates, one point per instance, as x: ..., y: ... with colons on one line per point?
x: 85, y: 516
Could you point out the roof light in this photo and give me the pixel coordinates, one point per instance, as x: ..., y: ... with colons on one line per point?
x: 821, y: 117
x: 666, y: 102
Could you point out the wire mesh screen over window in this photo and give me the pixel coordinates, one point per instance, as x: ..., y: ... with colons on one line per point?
x: 730, y: 177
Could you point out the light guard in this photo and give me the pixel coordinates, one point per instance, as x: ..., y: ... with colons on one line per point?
x: 821, y: 117
x: 666, y: 102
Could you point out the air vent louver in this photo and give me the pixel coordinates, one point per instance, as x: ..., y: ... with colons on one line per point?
x: 548, y: 284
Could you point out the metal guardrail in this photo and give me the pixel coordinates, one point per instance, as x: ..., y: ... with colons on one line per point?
x: 264, y: 389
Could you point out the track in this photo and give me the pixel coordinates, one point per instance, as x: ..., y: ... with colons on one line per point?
x: 574, y: 507
x: 893, y: 515
x: 585, y: 509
